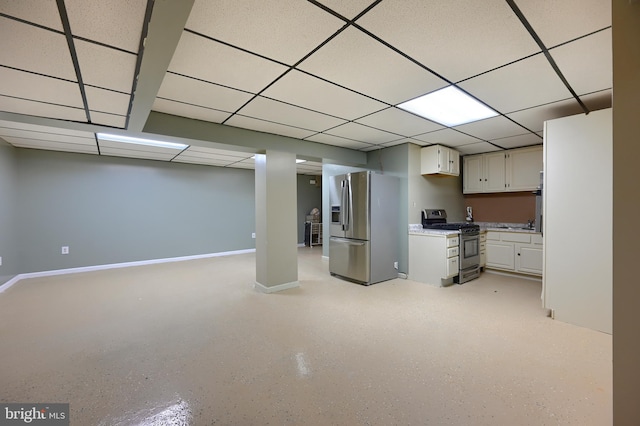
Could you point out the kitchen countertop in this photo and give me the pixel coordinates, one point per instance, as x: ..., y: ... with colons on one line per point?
x: 506, y: 227
x: 484, y: 226
x: 417, y: 229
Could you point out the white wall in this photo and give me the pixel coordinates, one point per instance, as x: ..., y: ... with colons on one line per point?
x: 578, y: 201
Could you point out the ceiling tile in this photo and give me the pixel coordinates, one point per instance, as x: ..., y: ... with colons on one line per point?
x: 587, y: 64
x: 53, y: 145
x: 456, y: 38
x: 243, y: 164
x: 406, y: 140
x: 196, y: 92
x: 35, y: 49
x: 43, y: 136
x: 362, y: 133
x: 42, y: 12
x: 400, y: 122
x: 447, y: 137
x: 338, y: 141
x: 556, y: 22
x: 534, y: 118
x: 492, y: 128
x: 358, y: 62
x: 189, y: 111
x: 105, y: 67
x: 284, y: 30
x: 279, y: 112
x: 524, y: 84
x: 107, y: 100
x: 598, y: 100
x: 199, y: 160
x: 518, y: 141
x: 349, y: 9
x: 199, y: 57
x: 216, y: 153
x: 38, y: 109
x: 477, y: 148
x: 115, y: 22
x: 309, y: 92
x: 147, y: 155
x: 268, y: 127
x: 112, y: 120
x: 33, y: 128
x: 36, y: 87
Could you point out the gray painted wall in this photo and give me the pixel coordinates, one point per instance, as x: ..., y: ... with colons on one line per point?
x: 8, y: 194
x: 111, y: 210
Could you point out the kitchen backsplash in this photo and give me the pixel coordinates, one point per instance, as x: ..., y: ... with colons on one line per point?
x: 516, y: 207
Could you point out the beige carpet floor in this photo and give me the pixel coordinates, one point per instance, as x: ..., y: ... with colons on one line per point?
x: 193, y: 343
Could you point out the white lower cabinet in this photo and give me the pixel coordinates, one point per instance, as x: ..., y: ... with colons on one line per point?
x: 433, y: 258
x: 514, y: 251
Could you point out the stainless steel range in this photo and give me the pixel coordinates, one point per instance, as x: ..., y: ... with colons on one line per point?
x: 469, y: 241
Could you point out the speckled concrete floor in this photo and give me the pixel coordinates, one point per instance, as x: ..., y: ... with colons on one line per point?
x: 192, y: 343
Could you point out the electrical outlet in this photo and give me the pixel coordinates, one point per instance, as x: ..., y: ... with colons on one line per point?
x: 65, y: 250
x: 395, y: 265
x: 253, y: 235
x: 0, y: 260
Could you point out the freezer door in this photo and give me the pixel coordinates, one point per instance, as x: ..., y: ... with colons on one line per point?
x: 356, y: 199
x: 350, y: 259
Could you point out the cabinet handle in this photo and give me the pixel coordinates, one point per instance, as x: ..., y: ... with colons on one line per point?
x: 518, y: 254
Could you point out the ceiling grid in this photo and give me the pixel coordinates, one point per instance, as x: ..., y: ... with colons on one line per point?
x: 324, y: 71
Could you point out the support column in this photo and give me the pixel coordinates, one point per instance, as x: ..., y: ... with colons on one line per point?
x: 276, y: 227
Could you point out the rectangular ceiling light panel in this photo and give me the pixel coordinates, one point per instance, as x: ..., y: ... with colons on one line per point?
x: 140, y: 141
x: 449, y: 106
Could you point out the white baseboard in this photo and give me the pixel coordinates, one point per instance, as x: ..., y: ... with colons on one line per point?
x: 19, y: 277
x: 514, y: 274
x: 273, y: 289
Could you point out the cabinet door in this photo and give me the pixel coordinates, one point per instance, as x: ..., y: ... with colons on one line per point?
x: 494, y: 172
x: 472, y: 174
x: 523, y: 169
x: 454, y: 162
x: 500, y: 255
x: 529, y: 258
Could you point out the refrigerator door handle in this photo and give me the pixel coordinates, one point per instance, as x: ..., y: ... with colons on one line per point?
x: 345, y: 209
x: 347, y: 241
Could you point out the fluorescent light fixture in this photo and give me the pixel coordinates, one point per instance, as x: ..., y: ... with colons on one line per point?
x: 449, y: 106
x: 298, y: 161
x: 139, y: 141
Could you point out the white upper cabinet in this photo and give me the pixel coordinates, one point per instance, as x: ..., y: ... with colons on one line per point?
x: 523, y: 168
x: 504, y: 171
x: 438, y: 159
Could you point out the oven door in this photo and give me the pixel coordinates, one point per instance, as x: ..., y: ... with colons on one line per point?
x: 469, y: 250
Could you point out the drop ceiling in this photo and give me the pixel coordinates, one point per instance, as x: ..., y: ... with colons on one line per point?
x: 329, y: 72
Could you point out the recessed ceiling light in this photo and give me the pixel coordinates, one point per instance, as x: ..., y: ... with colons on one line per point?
x: 140, y: 141
x: 449, y: 106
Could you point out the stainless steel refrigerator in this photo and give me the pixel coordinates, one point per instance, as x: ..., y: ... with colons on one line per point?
x: 364, y: 228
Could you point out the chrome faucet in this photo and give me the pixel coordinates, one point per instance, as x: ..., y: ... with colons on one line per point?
x: 530, y: 223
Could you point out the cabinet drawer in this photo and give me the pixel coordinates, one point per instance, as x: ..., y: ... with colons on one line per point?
x: 536, y: 239
x: 453, y: 242
x: 483, y: 245
x: 452, y: 251
x: 483, y: 236
x: 452, y: 267
x: 516, y: 237
x: 493, y: 236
